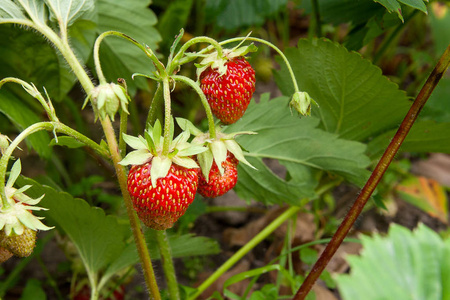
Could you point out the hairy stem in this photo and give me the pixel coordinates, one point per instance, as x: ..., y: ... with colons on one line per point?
x: 286, y: 61
x: 376, y: 176
x: 139, y: 239
x: 179, y: 59
x: 48, y: 126
x: 87, y: 84
x: 167, y: 116
x: 209, y: 115
x: 146, y: 50
x: 245, y: 249
x: 167, y: 263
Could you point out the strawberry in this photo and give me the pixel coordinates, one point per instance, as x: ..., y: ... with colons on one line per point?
x: 18, y: 225
x: 19, y: 245
x: 160, y: 206
x: 229, y: 94
x: 218, y: 183
x: 219, y: 162
x: 161, y: 186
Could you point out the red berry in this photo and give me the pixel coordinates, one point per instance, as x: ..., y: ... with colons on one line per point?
x: 219, y: 184
x: 229, y: 94
x: 161, y: 206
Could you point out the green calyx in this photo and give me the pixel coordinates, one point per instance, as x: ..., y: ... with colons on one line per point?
x: 217, y: 148
x: 216, y: 62
x: 150, y: 148
x: 15, y: 217
x: 4, y: 143
x: 107, y: 98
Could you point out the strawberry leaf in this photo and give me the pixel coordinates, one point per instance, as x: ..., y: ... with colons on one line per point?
x: 356, y: 101
x: 99, y: 239
x: 425, y: 136
x: 66, y: 12
x: 10, y: 10
x: 402, y: 265
x: 298, y: 145
x: 186, y: 245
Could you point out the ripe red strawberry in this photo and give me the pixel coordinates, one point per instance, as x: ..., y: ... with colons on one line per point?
x: 229, y: 94
x: 19, y: 245
x: 219, y: 184
x: 159, y: 207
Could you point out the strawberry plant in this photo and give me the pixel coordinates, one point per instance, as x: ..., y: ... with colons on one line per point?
x: 162, y: 131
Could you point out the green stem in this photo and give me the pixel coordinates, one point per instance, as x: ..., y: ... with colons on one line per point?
x: 146, y: 50
x: 135, y: 224
x: 245, y: 249
x: 286, y: 61
x: 209, y: 114
x: 376, y: 176
x: 48, y: 126
x: 33, y: 91
x: 167, y: 116
x: 179, y: 59
x: 123, y: 122
x: 167, y: 264
x: 141, y: 246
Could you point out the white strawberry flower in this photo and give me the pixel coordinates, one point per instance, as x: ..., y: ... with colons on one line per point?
x: 217, y: 148
x: 16, y: 216
x: 150, y: 148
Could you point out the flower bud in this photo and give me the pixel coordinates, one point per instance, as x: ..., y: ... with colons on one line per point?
x: 107, y: 98
x: 301, y: 102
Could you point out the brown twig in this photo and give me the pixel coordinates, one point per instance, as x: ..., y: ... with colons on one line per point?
x: 376, y: 176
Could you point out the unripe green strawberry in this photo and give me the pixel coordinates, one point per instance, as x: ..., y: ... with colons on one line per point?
x: 19, y: 245
x: 218, y: 184
x: 229, y: 94
x: 160, y: 206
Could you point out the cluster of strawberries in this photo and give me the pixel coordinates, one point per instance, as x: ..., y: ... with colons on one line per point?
x: 162, y: 188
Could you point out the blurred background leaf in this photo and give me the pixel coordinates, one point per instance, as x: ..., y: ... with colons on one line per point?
x: 399, y: 265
